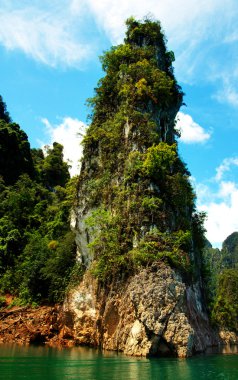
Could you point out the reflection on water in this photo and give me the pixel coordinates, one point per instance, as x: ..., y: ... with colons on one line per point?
x: 30, y: 363
x: 223, y: 349
x: 229, y: 349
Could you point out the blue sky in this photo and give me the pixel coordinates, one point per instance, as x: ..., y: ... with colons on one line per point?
x: 49, y: 66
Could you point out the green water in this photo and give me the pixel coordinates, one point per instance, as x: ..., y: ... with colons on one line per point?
x: 29, y: 363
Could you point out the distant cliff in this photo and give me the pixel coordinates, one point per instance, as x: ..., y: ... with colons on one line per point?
x: 138, y: 234
x: 221, y: 282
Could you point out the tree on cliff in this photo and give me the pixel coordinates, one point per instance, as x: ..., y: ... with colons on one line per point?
x: 225, y: 307
x: 55, y: 171
x: 4, y: 115
x: 229, y: 251
x: 37, y: 249
x: 221, y: 282
x: 139, y: 202
x: 15, y: 155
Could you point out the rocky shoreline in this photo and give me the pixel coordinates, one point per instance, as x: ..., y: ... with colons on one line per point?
x: 154, y: 314
x: 26, y: 325
x: 44, y: 326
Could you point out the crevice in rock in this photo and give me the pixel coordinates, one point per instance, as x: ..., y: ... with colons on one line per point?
x: 37, y: 339
x: 161, y: 348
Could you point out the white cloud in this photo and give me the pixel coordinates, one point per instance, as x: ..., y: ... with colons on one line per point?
x: 46, y: 34
x: 225, y: 166
x: 188, y: 24
x: 191, y: 132
x: 221, y: 215
x: 54, y: 32
x: 219, y: 199
x: 228, y: 79
x: 232, y: 96
x: 69, y: 133
x: 173, y: 15
x: 233, y: 37
x: 226, y: 189
x: 228, y: 94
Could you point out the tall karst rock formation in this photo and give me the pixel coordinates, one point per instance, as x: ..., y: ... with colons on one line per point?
x: 138, y: 234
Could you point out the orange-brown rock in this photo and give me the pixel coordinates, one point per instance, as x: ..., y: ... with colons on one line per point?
x: 25, y: 325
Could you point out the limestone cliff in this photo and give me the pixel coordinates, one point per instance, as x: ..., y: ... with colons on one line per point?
x: 152, y: 313
x: 138, y: 234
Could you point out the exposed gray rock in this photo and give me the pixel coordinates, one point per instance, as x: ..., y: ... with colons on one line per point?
x: 152, y: 313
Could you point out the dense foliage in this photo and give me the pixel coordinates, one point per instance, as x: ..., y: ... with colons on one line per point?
x: 221, y: 281
x: 15, y: 155
x: 139, y: 201
x: 135, y: 199
x: 4, y: 115
x: 37, y: 249
x: 229, y: 252
x: 225, y: 308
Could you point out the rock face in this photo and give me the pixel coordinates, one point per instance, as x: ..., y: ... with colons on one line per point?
x: 153, y: 313
x: 137, y: 229
x: 25, y: 325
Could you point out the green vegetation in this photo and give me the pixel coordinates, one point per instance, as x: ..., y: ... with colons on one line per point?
x: 37, y: 248
x: 229, y: 252
x: 136, y: 203
x: 220, y: 269
x: 139, y: 201
x: 225, y: 308
x: 4, y: 115
x: 15, y: 155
